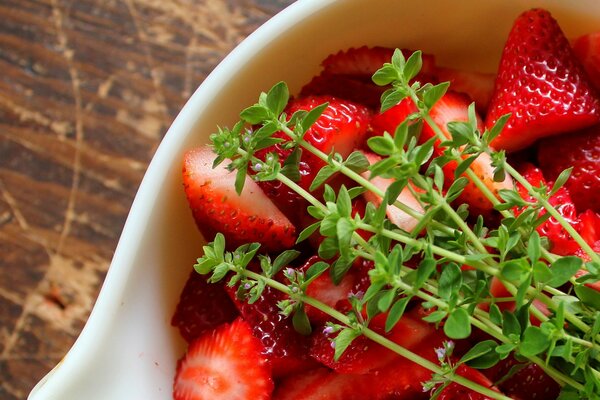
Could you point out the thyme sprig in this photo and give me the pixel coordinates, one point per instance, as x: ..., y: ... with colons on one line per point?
x: 565, y: 344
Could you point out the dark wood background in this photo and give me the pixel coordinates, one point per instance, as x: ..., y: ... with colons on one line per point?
x: 87, y: 90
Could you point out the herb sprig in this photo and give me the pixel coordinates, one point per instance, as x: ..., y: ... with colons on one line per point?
x: 566, y: 343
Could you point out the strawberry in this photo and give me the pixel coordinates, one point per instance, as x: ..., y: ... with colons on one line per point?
x: 451, y: 107
x: 326, y: 291
x: 478, y: 86
x: 225, y: 363
x: 285, y: 349
x: 498, y: 290
x: 529, y: 382
x: 587, y: 50
x: 541, y: 83
x: 202, y: 306
x: 324, y: 384
x: 560, y: 241
x: 216, y: 207
x: 398, y: 217
x: 363, y: 355
x: 341, y: 127
x: 454, y: 391
x: 347, y: 74
x: 365, y: 61
x: 581, y: 151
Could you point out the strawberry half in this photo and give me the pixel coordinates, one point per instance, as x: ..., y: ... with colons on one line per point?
x: 285, y: 349
x: 216, y: 207
x: 587, y: 50
x: 581, y: 151
x: 541, y: 83
x: 202, y: 306
x: 225, y: 363
x: 342, y: 127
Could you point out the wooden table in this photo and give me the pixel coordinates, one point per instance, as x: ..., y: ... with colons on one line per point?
x: 87, y: 90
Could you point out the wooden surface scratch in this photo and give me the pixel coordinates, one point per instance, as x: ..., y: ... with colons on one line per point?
x: 87, y: 90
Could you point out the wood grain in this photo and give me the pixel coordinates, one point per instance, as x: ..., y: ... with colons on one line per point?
x: 87, y: 90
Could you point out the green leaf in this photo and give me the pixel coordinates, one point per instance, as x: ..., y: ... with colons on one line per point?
x: 433, y: 94
x: 541, y: 272
x: 534, y: 247
x: 277, y: 98
x: 322, y: 176
x: 560, y: 181
x: 563, y: 269
x: 255, y: 114
x: 424, y: 271
x: 283, y: 260
x: 478, y: 353
x: 413, y: 66
x: 343, y: 340
x: 435, y: 316
x: 383, y: 145
x: 458, y: 325
x: 308, y: 231
x: 588, y: 296
x: 464, y: 165
x: 385, y: 301
x: 515, y: 270
x: 314, y: 271
x: 456, y: 188
x: 491, y: 134
x: 385, y: 75
x: 396, y: 313
x: 534, y: 342
x: 357, y: 162
x: 240, y: 180
x: 290, y: 165
x: 390, y: 98
x: 394, y: 190
x: 511, y: 325
x: 301, y: 322
x: 450, y: 281
x: 312, y: 116
x: 495, y: 314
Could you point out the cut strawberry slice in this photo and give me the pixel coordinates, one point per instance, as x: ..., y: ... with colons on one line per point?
x: 364, y: 355
x: 587, y: 50
x: 454, y: 391
x: 324, y: 384
x: 225, y: 363
x: 452, y: 107
x: 357, y: 90
x: 365, y: 61
x: 341, y: 128
x: 398, y: 217
x: 478, y: 86
x: 541, y: 83
x: 202, y: 306
x: 580, y: 150
x: 560, y: 241
x: 285, y: 349
x: 216, y: 207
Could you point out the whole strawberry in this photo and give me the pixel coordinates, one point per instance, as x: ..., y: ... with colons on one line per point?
x: 541, y: 83
x: 581, y: 151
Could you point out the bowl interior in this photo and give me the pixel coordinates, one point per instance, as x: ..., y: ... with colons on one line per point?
x: 128, y: 349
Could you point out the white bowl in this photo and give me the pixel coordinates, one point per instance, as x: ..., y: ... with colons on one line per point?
x: 128, y: 349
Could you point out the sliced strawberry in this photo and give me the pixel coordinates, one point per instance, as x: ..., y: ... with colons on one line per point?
x: 454, y: 391
x: 529, y: 382
x: 364, y: 355
x: 587, y: 50
x: 216, y: 207
x: 341, y: 128
x: 358, y: 90
x: 365, y: 61
x: 560, y: 241
x: 581, y: 151
x: 225, y: 363
x: 326, y: 291
x: 398, y: 217
x: 451, y: 107
x: 324, y: 384
x: 478, y: 86
x: 285, y: 349
x: 202, y: 306
x: 541, y: 83
x: 589, y: 226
